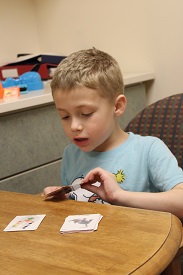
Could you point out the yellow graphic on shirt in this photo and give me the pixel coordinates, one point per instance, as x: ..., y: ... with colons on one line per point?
x: 120, y: 176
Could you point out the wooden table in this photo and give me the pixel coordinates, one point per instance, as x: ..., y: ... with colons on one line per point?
x: 128, y: 241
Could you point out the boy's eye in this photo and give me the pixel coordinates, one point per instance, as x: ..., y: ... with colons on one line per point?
x: 64, y: 117
x: 87, y: 114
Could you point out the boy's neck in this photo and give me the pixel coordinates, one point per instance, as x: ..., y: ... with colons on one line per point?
x: 118, y: 137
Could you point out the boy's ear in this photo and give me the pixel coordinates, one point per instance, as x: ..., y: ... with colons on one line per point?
x: 120, y: 105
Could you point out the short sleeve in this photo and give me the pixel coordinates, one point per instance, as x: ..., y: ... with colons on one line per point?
x: 163, y: 167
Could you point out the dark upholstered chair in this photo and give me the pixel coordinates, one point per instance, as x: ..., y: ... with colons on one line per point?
x: 164, y: 119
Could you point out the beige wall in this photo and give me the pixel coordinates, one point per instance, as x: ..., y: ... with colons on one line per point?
x: 18, y: 29
x: 143, y: 35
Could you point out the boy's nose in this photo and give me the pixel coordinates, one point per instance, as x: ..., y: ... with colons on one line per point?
x: 76, y: 126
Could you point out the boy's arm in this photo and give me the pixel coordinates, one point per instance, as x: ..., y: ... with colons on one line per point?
x: 169, y: 201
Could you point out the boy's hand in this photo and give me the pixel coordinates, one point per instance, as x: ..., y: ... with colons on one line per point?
x: 108, y: 190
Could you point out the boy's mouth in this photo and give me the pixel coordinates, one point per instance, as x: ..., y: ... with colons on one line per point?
x: 81, y: 141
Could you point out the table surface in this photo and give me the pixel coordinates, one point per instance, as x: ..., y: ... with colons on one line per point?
x: 128, y: 240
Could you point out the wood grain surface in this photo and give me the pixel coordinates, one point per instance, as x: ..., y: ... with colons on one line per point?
x: 128, y: 240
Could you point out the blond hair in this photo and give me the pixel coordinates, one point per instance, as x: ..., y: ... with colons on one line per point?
x: 90, y: 68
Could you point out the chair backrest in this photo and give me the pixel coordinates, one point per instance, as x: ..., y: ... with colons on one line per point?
x: 163, y: 119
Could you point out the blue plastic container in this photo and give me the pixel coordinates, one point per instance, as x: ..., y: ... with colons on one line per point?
x: 30, y: 81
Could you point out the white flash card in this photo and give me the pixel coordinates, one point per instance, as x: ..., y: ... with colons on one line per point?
x: 25, y: 223
x: 81, y: 223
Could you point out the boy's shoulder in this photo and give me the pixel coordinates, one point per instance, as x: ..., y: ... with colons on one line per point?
x: 145, y: 142
x: 143, y: 139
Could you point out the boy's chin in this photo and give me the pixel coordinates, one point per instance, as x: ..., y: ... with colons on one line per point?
x: 87, y: 149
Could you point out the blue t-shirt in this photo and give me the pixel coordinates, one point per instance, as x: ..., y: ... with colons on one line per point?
x: 143, y: 164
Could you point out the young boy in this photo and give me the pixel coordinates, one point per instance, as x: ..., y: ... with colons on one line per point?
x: 134, y: 171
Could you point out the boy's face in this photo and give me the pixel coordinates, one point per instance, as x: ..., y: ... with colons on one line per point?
x: 88, y: 119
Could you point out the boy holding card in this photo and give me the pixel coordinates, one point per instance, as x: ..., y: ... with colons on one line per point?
x: 134, y: 171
